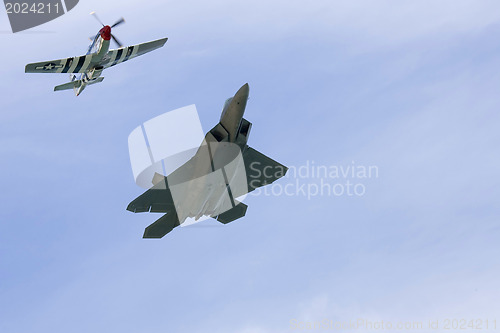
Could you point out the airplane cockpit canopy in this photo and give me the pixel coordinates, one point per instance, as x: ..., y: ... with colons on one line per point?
x: 226, y: 104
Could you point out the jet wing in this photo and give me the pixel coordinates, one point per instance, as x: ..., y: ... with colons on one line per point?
x: 67, y: 65
x: 260, y: 169
x: 123, y: 54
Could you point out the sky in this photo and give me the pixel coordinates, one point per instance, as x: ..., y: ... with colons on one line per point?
x: 407, y: 87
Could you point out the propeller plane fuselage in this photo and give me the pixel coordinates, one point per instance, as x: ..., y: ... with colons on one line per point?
x: 99, y: 47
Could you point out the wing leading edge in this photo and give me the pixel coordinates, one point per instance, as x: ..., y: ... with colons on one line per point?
x: 123, y: 54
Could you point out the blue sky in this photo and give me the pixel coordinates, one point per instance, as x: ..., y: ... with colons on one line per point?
x: 408, y: 86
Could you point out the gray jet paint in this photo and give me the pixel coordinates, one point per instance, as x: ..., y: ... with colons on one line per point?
x: 223, y: 169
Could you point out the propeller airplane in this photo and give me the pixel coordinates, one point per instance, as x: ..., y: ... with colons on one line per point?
x: 97, y: 58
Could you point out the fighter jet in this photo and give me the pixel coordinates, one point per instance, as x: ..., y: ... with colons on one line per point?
x: 223, y: 169
x: 97, y: 58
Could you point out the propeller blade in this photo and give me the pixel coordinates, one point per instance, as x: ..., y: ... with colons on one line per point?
x: 116, y: 40
x: 120, y: 21
x: 97, y: 18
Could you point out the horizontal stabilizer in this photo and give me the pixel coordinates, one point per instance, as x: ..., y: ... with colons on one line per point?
x: 233, y: 214
x: 76, y: 84
x: 69, y: 85
x: 162, y: 226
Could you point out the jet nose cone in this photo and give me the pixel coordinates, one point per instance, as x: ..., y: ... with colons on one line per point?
x: 244, y: 90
